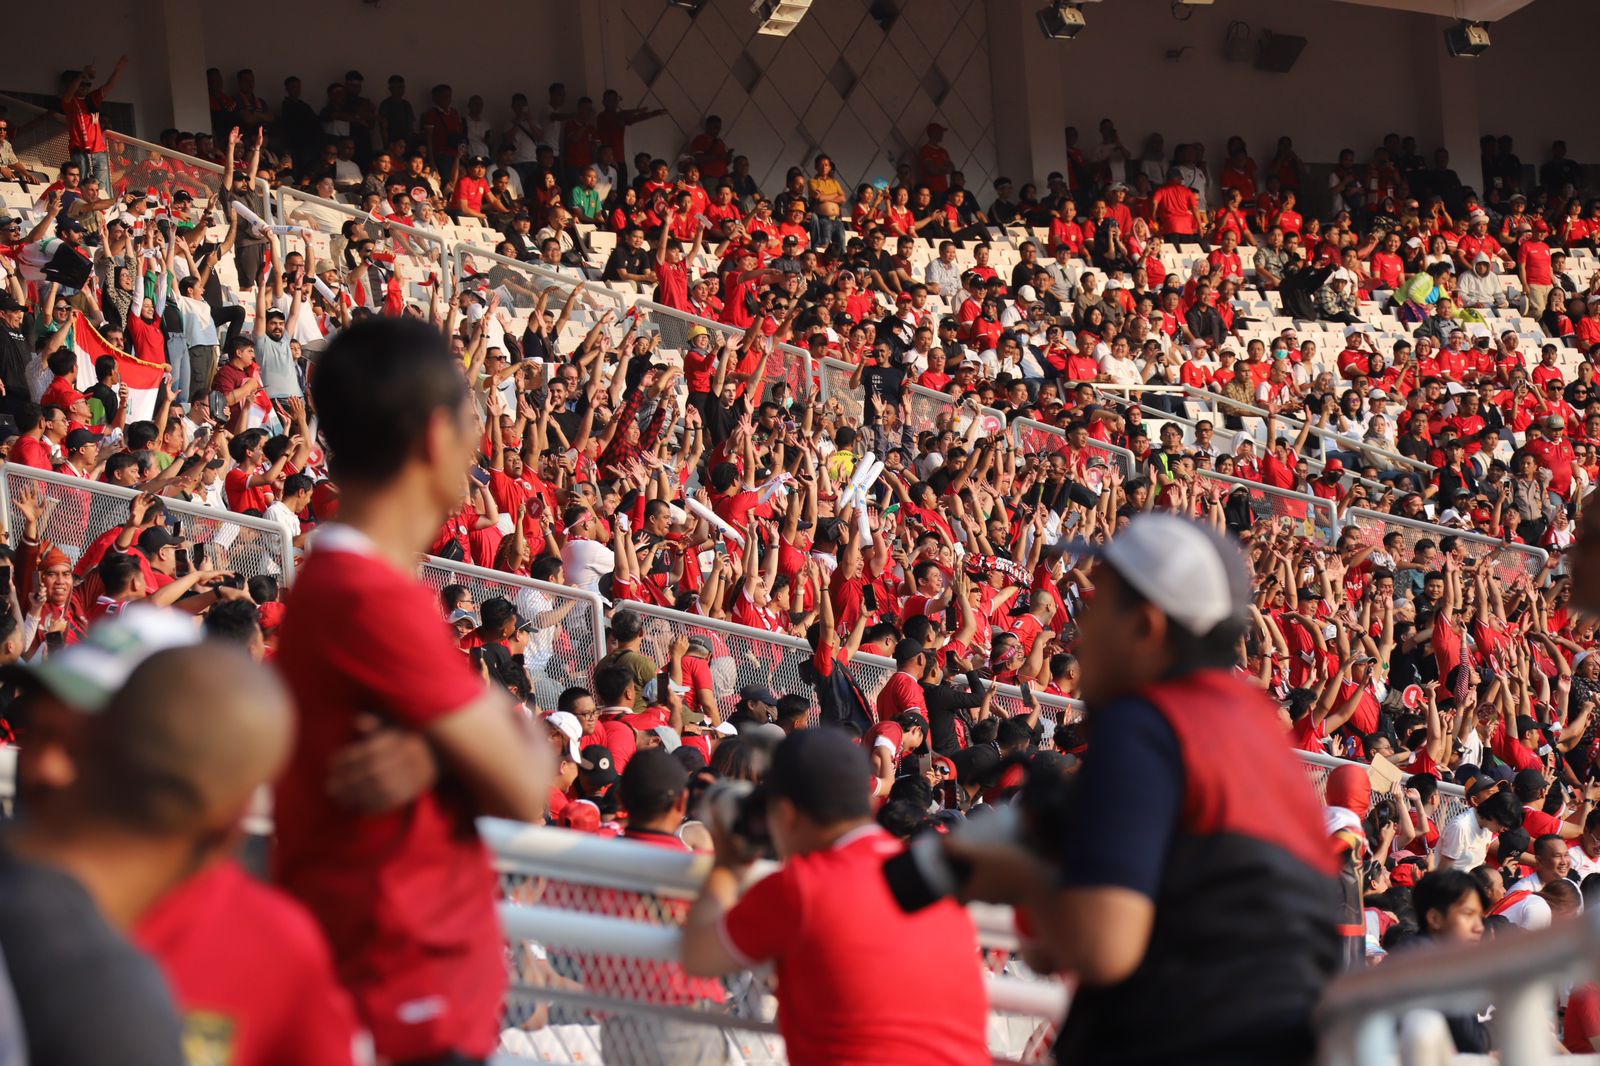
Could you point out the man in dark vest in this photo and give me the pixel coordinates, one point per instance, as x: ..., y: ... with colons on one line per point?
x: 1194, y: 891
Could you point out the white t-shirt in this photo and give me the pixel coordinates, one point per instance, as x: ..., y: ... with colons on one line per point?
x: 1465, y: 841
x: 279, y: 512
x: 585, y: 562
x: 1529, y: 912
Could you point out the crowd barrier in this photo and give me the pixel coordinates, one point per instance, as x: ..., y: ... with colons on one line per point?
x: 1312, y: 515
x: 1390, y: 1013
x: 519, y: 283
x: 421, y: 259
x: 1507, y: 561
x: 930, y: 410
x: 743, y: 656
x: 1039, y: 438
x: 1291, y: 425
x: 593, y: 930
x: 1452, y: 798
x: 568, y: 635
x: 40, y: 134
x: 79, y: 511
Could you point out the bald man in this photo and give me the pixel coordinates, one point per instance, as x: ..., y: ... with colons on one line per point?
x: 140, y: 796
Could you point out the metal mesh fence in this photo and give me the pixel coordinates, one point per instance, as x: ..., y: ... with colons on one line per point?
x: 421, y: 259
x: 786, y: 365
x: 1037, y: 438
x: 927, y: 409
x: 519, y: 285
x: 1311, y: 515
x: 568, y: 635
x: 837, y: 395
x: 742, y: 656
x: 1507, y: 561
x: 77, y: 512
x: 1452, y: 798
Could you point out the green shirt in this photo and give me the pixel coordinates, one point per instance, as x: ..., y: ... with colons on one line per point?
x: 586, y: 202
x: 641, y: 666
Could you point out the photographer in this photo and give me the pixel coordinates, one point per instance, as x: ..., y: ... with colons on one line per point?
x: 859, y: 980
x: 1194, y: 872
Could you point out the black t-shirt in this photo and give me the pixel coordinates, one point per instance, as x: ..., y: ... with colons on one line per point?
x: 882, y: 386
x: 569, y: 421
x: 631, y: 260
x: 14, y: 356
x: 63, y: 956
x: 720, y: 419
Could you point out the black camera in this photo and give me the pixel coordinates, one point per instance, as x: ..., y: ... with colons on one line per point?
x: 925, y: 873
x: 738, y: 809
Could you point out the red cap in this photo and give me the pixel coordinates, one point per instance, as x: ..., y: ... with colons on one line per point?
x: 903, y: 298
x: 1333, y: 466
x: 1541, y: 226
x: 271, y: 614
x: 1405, y: 874
x: 1350, y: 788
x: 583, y: 816
x: 1482, y: 514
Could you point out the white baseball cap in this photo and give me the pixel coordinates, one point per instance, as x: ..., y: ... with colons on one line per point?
x: 569, y: 726
x: 1195, y: 576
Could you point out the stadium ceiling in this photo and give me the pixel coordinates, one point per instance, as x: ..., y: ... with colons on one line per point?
x: 1472, y: 10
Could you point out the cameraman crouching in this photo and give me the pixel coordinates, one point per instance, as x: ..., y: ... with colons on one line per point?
x: 1194, y: 893
x: 859, y: 980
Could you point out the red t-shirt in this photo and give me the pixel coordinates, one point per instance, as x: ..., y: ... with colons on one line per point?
x: 672, y: 284
x: 469, y: 193
x: 248, y: 966
x: 863, y: 981
x: 1534, y: 257
x: 242, y: 496
x: 83, y: 123
x: 405, y: 898
x: 1175, y: 208
x: 31, y: 451
x: 901, y: 692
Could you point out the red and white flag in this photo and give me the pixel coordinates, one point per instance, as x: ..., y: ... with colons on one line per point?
x: 142, y: 379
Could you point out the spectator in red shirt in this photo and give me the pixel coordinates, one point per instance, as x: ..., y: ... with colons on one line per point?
x: 903, y: 691
x: 860, y: 979
x: 85, y: 136
x: 1177, y: 210
x: 367, y: 657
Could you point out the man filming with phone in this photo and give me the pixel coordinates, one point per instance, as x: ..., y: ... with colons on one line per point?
x: 1190, y: 879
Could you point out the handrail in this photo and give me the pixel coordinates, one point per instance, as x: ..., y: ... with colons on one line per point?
x: 1124, y: 457
x: 412, y: 233
x: 49, y: 115
x: 106, y: 490
x: 599, y: 293
x: 1354, y: 443
x: 605, y: 935
x: 1312, y: 504
x: 1535, y: 559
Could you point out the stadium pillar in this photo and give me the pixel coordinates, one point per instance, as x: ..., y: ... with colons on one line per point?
x: 175, y: 55
x: 1030, y: 106
x: 1449, y: 86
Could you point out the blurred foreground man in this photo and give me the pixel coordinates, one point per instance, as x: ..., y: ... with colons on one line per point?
x: 1195, y: 895
x: 394, y: 871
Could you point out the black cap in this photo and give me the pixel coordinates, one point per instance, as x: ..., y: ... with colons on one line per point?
x: 80, y: 438
x: 758, y: 694
x: 9, y: 302
x: 820, y: 771
x: 155, y: 538
x: 1524, y: 723
x: 69, y: 225
x: 1528, y: 784
x: 598, y: 766
x: 653, y: 779
x: 496, y: 611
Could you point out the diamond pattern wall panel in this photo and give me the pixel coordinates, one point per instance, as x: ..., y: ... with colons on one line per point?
x: 838, y: 84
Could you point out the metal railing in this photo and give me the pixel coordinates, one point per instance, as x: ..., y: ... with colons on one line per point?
x: 1452, y: 798
x: 421, y: 258
x: 594, y: 930
x: 1039, y: 438
x: 134, y: 164
x: 568, y: 635
x: 79, y: 511
x: 520, y: 283
x: 1507, y: 561
x: 1364, y: 1018
x: 930, y: 410
x: 743, y: 656
x: 1216, y: 401
x: 1312, y: 513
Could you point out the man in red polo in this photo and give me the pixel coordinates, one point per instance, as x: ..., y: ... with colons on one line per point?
x: 402, y: 888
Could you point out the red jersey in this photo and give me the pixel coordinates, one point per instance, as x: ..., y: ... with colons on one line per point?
x: 405, y: 898
x: 871, y: 1004
x: 250, y: 971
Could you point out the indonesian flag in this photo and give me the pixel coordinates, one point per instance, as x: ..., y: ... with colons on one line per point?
x: 142, y: 379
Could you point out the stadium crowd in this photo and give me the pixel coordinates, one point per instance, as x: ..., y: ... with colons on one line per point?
x: 710, y: 479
